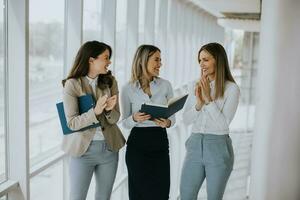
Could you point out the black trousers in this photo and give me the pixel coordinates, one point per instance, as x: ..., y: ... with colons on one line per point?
x: 148, y: 164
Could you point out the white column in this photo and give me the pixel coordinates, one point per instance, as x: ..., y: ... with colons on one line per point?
x: 17, y: 98
x: 276, y: 149
x: 149, y: 22
x: 161, y: 37
x: 172, y: 42
x: 73, y: 39
x: 188, y: 45
x: 132, y: 33
x: 194, y: 70
x: 109, y: 22
x: 73, y: 31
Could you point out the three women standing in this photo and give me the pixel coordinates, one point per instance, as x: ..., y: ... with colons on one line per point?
x: 209, y: 150
x: 147, y: 153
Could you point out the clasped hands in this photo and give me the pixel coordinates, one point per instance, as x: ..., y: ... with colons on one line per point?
x: 105, y: 103
x: 140, y: 117
x: 202, y: 92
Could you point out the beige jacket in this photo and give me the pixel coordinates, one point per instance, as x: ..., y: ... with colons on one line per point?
x: 77, y: 143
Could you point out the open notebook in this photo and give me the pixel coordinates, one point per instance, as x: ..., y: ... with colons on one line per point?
x: 164, y: 111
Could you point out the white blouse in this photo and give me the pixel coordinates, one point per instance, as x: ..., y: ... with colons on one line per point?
x: 93, y: 83
x: 215, y: 117
x: 133, y: 96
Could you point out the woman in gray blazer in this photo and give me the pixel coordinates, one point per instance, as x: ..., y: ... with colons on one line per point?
x: 93, y: 151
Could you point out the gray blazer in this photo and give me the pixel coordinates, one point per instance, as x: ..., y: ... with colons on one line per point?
x: 77, y: 143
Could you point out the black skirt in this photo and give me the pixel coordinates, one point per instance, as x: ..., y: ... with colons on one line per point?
x: 148, y: 164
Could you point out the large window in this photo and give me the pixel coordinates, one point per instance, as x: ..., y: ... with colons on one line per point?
x: 92, y: 24
x: 46, y: 48
x: 2, y: 92
x: 243, y: 61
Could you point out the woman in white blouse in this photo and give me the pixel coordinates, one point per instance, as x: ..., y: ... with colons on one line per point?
x: 147, y: 152
x: 210, y: 110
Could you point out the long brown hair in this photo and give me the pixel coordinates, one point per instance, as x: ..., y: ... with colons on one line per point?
x: 139, y: 70
x: 80, y: 68
x: 222, y: 69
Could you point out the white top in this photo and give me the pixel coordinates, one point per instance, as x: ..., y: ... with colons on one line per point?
x: 93, y: 83
x: 215, y: 117
x: 133, y: 96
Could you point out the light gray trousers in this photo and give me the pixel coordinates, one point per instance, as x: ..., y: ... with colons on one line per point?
x: 97, y: 160
x: 208, y: 156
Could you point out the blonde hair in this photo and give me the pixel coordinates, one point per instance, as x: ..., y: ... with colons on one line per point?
x: 139, y: 70
x: 222, y: 69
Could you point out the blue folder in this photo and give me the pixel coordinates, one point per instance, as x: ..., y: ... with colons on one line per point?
x: 85, y: 103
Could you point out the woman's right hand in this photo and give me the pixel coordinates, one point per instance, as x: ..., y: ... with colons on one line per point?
x: 140, y: 117
x: 100, y: 105
x: 199, y: 97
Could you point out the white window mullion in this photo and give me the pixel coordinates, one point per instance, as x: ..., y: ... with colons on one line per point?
x: 109, y: 23
x: 161, y: 37
x: 181, y: 29
x: 73, y: 39
x: 171, y: 42
x: 200, y: 30
x: 195, y: 43
x: 149, y: 21
x: 189, y: 57
x: 205, y: 29
x: 73, y: 31
x: 187, y: 53
x: 17, y: 98
x: 211, y: 26
x: 208, y: 28
x: 132, y: 33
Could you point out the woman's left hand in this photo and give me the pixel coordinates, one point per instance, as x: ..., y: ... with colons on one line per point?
x: 111, y: 102
x: 164, y: 123
x: 205, y: 89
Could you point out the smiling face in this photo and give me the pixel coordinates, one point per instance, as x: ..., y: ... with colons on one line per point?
x: 154, y: 64
x: 207, y: 64
x: 99, y: 65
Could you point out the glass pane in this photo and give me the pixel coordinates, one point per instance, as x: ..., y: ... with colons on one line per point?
x: 48, y: 185
x: 46, y: 39
x: 3, y: 198
x: 92, y: 20
x: 238, y: 48
x: 2, y: 121
x: 120, y: 61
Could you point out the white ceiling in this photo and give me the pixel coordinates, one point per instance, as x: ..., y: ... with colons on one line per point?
x: 218, y: 7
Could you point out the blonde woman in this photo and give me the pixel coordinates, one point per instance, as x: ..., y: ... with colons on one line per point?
x: 210, y: 109
x: 147, y: 153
